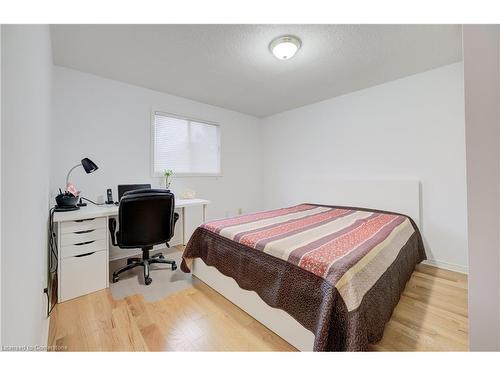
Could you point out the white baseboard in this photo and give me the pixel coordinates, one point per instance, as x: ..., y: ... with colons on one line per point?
x: 447, y: 266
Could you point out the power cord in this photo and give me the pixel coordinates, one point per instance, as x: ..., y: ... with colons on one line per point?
x: 91, y: 201
x: 52, y: 261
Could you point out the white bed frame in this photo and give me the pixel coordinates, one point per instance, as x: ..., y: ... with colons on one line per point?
x: 401, y: 196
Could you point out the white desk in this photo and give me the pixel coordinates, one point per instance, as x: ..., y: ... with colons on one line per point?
x: 93, y: 211
x: 83, y: 246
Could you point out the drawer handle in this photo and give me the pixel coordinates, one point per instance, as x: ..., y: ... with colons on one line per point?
x: 82, y: 220
x: 84, y: 243
x: 84, y: 255
x: 84, y: 231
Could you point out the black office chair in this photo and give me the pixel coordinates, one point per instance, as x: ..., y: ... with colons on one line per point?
x: 146, y: 218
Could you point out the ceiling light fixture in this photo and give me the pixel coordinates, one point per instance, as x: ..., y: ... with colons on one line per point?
x: 285, y: 47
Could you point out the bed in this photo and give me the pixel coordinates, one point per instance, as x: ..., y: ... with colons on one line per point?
x: 337, y: 271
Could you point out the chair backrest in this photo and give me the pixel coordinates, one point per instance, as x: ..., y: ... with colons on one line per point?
x: 146, y: 218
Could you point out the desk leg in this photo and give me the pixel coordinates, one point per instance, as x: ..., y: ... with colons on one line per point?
x: 204, y: 213
x: 183, y: 212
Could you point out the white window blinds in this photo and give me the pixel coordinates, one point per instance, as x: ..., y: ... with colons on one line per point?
x: 185, y: 146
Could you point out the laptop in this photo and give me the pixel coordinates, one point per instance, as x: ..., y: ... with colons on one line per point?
x: 122, y: 189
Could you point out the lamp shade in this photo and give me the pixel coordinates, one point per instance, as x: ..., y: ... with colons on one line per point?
x: 89, y: 165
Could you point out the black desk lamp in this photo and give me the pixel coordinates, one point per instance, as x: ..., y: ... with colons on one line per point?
x: 67, y: 201
x: 87, y: 164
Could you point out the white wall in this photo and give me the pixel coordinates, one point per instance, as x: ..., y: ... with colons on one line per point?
x: 408, y: 128
x: 110, y: 122
x: 482, y: 103
x: 26, y: 107
x: 0, y: 189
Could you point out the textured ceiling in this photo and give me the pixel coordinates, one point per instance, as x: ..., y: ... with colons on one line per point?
x: 230, y: 65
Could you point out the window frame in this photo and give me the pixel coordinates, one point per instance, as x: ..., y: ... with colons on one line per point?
x: 155, y: 112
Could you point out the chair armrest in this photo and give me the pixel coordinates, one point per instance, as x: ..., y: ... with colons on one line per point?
x: 112, y: 229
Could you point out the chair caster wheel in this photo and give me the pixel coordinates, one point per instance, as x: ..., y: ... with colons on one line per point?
x: 148, y: 280
x: 115, y: 279
x: 174, y: 267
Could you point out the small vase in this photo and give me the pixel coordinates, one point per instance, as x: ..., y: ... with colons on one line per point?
x: 167, y: 183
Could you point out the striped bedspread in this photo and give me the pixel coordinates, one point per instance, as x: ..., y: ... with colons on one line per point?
x: 348, y: 248
x: 339, y: 271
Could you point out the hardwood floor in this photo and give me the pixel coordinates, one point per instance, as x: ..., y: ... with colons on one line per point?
x: 431, y: 315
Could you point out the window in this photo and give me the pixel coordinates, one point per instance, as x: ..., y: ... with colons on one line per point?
x: 188, y: 147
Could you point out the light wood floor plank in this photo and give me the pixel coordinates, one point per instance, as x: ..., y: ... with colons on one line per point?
x: 431, y: 316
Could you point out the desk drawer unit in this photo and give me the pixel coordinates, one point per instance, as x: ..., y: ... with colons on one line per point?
x: 83, y: 257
